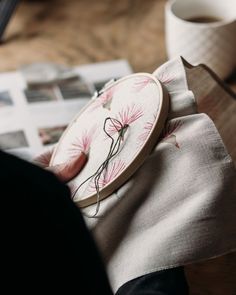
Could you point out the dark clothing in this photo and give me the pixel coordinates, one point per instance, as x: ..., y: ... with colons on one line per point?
x: 165, y: 282
x: 46, y: 246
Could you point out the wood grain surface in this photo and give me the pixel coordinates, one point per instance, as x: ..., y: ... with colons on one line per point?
x: 80, y: 31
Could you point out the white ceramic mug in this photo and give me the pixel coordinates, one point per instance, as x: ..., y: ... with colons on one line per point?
x: 210, y: 42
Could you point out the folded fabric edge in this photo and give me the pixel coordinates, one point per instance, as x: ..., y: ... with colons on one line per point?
x: 227, y: 252
x: 213, y: 75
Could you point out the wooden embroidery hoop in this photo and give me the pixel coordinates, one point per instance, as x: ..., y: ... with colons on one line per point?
x: 139, y: 159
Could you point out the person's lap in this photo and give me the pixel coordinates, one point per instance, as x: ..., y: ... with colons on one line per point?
x: 47, y: 243
x: 166, y: 282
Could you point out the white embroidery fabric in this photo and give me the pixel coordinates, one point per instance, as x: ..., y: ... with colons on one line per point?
x: 180, y: 206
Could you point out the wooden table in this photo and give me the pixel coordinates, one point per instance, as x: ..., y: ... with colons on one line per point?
x: 80, y: 31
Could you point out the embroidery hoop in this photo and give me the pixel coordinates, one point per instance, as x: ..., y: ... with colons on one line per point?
x: 140, y: 156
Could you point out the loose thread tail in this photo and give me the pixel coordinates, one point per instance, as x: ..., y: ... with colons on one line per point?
x: 113, y: 151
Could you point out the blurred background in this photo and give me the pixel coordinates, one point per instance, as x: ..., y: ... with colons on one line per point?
x: 83, y: 31
x: 75, y: 32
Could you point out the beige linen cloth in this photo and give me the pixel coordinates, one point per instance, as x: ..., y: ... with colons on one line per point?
x: 180, y: 206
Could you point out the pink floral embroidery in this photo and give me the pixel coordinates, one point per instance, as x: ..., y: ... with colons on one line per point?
x: 141, y: 83
x: 147, y: 129
x: 108, y: 175
x: 125, y: 117
x: 82, y: 143
x: 168, y: 135
x: 165, y: 77
x: 104, y: 99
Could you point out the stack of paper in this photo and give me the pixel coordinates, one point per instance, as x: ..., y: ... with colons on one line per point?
x: 33, y: 117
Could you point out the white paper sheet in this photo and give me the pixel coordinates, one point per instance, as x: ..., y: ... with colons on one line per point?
x: 33, y: 118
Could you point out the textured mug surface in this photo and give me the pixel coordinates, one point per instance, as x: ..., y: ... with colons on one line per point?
x: 211, y: 43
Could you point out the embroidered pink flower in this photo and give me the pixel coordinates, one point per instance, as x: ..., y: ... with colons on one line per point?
x: 104, y: 99
x: 147, y: 129
x: 108, y: 175
x: 142, y: 82
x: 83, y: 142
x: 124, y: 118
x: 168, y: 135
